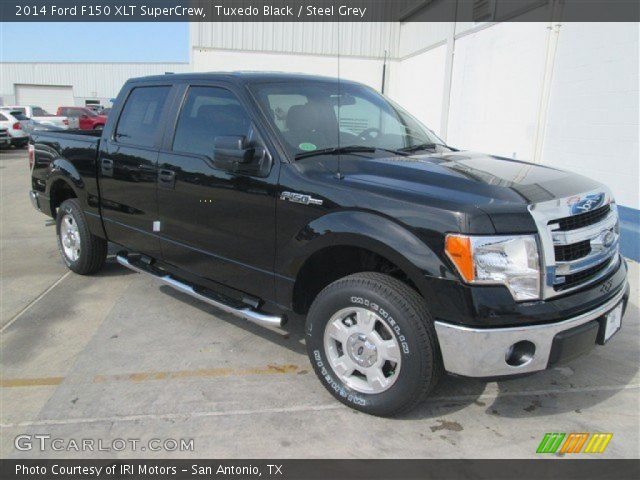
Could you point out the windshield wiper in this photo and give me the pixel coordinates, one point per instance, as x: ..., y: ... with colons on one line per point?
x: 421, y: 146
x: 424, y: 146
x: 346, y: 149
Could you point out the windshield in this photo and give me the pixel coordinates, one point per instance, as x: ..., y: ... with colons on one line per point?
x: 41, y: 112
x: 18, y: 115
x: 312, y: 116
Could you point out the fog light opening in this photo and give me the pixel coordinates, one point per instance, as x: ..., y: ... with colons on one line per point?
x: 520, y: 353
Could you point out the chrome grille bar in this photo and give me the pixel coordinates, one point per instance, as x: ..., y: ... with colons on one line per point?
x: 584, y: 233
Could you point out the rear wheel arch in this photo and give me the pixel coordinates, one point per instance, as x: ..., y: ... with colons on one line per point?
x: 60, y: 190
x: 63, y: 182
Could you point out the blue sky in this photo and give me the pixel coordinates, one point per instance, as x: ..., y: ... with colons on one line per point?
x: 94, y: 42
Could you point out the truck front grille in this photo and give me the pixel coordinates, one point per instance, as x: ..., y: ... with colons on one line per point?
x: 566, y: 253
x: 577, y: 249
x: 582, y: 219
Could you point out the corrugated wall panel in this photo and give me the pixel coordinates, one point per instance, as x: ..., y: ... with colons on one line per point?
x: 416, y: 36
x: 318, y: 38
x: 87, y: 79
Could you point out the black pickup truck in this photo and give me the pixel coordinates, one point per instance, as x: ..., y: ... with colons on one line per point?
x: 277, y: 195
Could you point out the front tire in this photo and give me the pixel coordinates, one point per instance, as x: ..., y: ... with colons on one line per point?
x: 371, y: 342
x: 81, y: 251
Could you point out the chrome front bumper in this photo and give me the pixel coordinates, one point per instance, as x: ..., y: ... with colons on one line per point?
x: 476, y: 352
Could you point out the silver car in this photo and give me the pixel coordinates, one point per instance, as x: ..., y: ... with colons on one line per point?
x: 16, y: 124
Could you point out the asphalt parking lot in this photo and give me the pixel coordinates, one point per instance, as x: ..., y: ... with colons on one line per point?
x: 116, y: 355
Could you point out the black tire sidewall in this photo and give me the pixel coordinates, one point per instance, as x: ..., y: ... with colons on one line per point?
x: 71, y: 207
x: 416, y: 362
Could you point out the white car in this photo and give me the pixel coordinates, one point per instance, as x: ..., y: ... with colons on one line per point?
x: 14, y: 122
x: 40, y: 115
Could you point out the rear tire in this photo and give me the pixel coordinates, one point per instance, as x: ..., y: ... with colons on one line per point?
x: 83, y: 252
x: 372, y: 344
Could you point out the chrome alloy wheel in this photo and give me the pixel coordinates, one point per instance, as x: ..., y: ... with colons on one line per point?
x: 362, y: 350
x: 70, y: 237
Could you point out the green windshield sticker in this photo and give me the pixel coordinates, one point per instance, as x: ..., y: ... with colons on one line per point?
x: 307, y: 147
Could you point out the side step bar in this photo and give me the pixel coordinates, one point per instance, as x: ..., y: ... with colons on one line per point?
x: 245, y: 312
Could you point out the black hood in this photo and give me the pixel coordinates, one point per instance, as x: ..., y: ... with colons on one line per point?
x: 479, y: 179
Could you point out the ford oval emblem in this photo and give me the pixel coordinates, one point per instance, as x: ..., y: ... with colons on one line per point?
x: 587, y: 203
x: 608, y: 237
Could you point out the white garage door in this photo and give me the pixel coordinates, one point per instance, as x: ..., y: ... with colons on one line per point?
x: 49, y: 97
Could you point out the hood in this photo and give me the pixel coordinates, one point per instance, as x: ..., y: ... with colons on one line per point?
x: 476, y: 178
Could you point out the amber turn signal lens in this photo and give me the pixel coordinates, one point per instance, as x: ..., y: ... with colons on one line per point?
x: 458, y: 248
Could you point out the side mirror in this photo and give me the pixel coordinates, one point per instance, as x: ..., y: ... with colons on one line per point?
x: 234, y: 154
x: 231, y: 150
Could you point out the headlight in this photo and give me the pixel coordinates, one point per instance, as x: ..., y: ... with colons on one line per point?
x: 508, y: 260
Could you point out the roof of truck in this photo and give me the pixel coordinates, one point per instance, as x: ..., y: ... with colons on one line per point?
x: 243, y: 76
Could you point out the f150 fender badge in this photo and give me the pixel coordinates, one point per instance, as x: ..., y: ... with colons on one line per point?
x: 300, y: 198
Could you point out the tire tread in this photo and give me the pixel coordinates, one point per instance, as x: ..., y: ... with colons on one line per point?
x: 415, y: 307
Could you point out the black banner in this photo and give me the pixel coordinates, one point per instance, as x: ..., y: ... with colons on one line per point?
x: 541, y: 469
x: 318, y: 10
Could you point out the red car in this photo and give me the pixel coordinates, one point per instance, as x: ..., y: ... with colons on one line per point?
x: 87, y: 118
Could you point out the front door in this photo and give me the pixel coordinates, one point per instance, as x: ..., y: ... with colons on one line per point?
x: 127, y: 171
x: 217, y: 224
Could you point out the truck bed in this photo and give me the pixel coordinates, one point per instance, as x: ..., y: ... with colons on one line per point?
x: 69, y: 134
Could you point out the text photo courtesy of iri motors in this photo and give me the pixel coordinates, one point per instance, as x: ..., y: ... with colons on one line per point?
x: 320, y: 239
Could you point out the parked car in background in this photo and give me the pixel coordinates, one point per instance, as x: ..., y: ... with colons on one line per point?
x: 105, y: 111
x: 5, y: 140
x: 40, y: 115
x: 12, y: 120
x: 31, y: 127
x: 87, y: 119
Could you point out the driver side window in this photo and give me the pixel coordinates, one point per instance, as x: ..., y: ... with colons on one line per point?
x: 207, y: 113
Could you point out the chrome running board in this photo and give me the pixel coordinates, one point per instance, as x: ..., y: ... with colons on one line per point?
x: 245, y: 312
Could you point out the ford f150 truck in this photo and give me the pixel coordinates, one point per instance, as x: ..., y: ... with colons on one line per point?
x: 275, y: 196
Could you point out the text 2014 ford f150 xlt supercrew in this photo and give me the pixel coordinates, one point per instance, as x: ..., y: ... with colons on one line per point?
x: 268, y: 194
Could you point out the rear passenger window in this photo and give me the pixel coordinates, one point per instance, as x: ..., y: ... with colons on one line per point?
x: 207, y: 113
x: 140, y: 119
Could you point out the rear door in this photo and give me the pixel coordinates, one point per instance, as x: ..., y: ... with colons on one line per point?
x: 216, y: 223
x: 127, y: 169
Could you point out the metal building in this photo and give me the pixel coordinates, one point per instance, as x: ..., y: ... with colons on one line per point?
x: 50, y: 85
